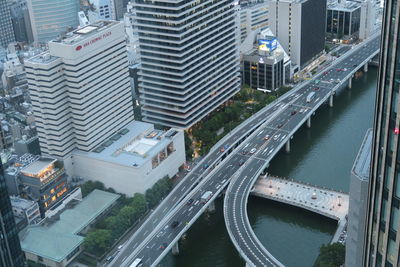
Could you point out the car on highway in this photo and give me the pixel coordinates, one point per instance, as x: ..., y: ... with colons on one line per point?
x: 110, y: 258
x: 174, y: 224
x: 190, y: 201
x: 316, y: 88
x: 163, y: 245
x: 293, y: 112
x: 244, y: 152
x: 280, y: 125
x: 253, y: 150
x: 326, y: 73
x: 241, y: 162
x: 266, y: 137
x: 223, y: 148
x: 120, y: 247
x: 205, y: 166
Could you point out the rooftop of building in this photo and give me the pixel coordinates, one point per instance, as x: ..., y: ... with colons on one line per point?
x: 38, y: 166
x: 85, y: 32
x: 21, y: 203
x: 362, y: 163
x: 134, y: 145
x: 56, y: 237
x: 346, y: 6
x: 263, y: 56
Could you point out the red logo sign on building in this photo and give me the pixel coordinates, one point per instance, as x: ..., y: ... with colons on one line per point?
x: 79, y: 47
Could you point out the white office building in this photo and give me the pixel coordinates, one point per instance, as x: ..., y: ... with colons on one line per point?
x: 189, y: 58
x: 80, y: 89
x: 253, y: 18
x: 101, y: 10
x: 300, y: 28
x: 368, y: 18
x: 134, y: 159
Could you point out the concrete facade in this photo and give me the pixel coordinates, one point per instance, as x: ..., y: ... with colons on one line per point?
x: 358, y: 203
x: 130, y: 172
x: 80, y: 89
x: 299, y: 26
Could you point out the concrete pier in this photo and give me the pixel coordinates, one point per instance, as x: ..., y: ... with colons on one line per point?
x: 211, y: 207
x: 175, y: 249
x: 287, y: 147
x: 350, y: 82
x: 366, y: 67
x: 331, y: 100
x: 309, y: 122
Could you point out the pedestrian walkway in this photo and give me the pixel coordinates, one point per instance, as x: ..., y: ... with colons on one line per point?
x: 326, y: 202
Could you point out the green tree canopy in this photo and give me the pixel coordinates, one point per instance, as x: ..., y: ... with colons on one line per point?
x: 331, y: 255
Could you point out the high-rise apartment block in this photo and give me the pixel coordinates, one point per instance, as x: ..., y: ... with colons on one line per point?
x: 6, y: 29
x: 299, y: 26
x: 382, y: 247
x: 49, y: 20
x: 189, y: 58
x: 80, y: 89
x: 10, y: 249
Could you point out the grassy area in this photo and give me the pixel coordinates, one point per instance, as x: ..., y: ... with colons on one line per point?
x: 206, y: 133
x: 87, y: 260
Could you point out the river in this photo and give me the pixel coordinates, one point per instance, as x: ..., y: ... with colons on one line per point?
x: 322, y: 155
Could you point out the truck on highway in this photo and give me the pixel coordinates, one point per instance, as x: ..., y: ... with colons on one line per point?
x: 310, y: 97
x: 206, y: 197
x: 137, y: 262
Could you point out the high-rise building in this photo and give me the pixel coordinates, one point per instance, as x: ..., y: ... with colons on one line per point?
x: 299, y: 26
x: 359, y: 181
x: 21, y: 21
x: 80, y: 89
x: 343, y: 20
x: 49, y: 20
x: 253, y: 18
x: 10, y: 249
x: 382, y: 246
x: 368, y: 18
x: 6, y: 29
x: 189, y: 58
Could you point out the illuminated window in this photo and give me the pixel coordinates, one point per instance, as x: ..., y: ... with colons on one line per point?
x: 53, y: 198
x: 52, y: 191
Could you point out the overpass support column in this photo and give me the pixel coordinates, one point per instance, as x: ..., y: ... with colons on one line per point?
x: 211, y: 207
x: 309, y: 122
x: 331, y: 100
x: 248, y: 265
x: 366, y: 67
x: 350, y: 82
x: 287, y: 147
x: 175, y: 249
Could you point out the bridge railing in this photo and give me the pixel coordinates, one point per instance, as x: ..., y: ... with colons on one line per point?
x: 297, y: 204
x: 284, y: 179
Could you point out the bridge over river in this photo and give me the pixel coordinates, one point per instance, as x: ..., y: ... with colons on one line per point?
x: 327, y: 202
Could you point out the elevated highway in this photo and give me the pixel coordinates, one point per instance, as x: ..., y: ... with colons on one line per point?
x: 159, y: 233
x: 280, y: 131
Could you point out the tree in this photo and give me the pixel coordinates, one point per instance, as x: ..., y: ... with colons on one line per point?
x: 188, y: 146
x: 97, y: 241
x: 89, y: 186
x: 331, y: 255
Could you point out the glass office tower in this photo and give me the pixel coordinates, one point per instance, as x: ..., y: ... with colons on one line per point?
x: 383, y: 218
x: 6, y: 30
x: 10, y: 249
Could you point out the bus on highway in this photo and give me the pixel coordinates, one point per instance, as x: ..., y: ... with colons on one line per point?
x: 310, y: 97
x: 136, y: 263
